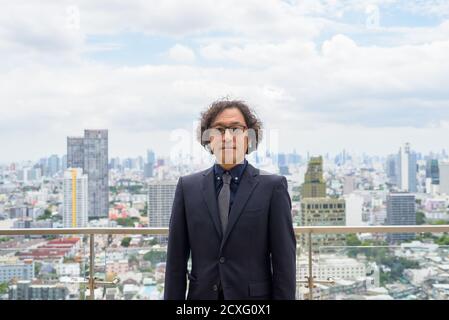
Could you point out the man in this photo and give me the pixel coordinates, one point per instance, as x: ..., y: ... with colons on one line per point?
x: 232, y: 219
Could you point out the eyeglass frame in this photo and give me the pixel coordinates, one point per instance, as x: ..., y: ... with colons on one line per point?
x: 222, y: 129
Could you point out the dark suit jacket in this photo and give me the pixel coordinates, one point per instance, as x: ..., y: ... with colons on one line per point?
x: 256, y: 256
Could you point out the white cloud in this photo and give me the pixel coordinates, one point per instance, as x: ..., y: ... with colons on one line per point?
x: 262, y: 54
x: 429, y: 7
x: 174, y: 18
x: 321, y: 95
x: 180, y: 53
x: 38, y: 34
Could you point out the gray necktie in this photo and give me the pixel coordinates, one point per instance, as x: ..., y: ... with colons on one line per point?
x: 224, y: 198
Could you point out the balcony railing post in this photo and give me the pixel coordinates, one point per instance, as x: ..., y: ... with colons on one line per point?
x: 92, y: 266
x: 310, y: 279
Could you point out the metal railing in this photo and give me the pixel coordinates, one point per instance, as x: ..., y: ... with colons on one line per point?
x: 309, y: 231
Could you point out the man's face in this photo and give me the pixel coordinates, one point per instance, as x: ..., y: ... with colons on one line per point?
x: 229, y: 139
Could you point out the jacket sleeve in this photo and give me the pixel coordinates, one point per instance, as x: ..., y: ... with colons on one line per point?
x: 282, y: 243
x: 178, y: 249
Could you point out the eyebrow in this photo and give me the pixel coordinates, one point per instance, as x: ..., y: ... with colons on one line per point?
x: 230, y: 124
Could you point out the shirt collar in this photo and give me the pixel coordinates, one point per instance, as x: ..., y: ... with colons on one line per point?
x: 236, y: 171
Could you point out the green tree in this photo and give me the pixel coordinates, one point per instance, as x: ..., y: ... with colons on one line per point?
x: 397, y: 265
x: 133, y: 259
x: 127, y: 222
x: 46, y: 215
x: 440, y: 222
x: 135, y: 189
x: 3, y: 287
x: 384, y: 277
x: 144, y: 212
x: 352, y: 240
x: 420, y: 217
x: 37, y: 268
x: 126, y: 241
x: 155, y: 256
x: 443, y: 240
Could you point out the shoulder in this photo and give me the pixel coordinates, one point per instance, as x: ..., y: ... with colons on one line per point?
x: 268, y: 177
x: 194, y: 177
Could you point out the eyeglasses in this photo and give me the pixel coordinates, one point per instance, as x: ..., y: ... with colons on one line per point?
x: 234, y: 130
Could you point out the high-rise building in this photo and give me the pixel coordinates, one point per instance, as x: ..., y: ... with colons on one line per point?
x: 75, y: 152
x: 96, y: 168
x: 149, y: 165
x: 319, y: 210
x: 63, y: 162
x: 349, y: 184
x: 53, y: 165
x: 391, y: 169
x: 314, y: 185
x: 444, y: 177
x: 323, y: 212
x: 91, y: 154
x: 354, y: 209
x: 432, y: 171
x: 407, y: 169
x: 342, y: 158
x: 401, y: 210
x: 293, y: 158
x: 28, y: 174
x: 140, y: 163
x: 432, y: 181
x: 160, y: 200
x: 115, y: 163
x: 128, y: 163
x: 43, y: 165
x: 75, y: 212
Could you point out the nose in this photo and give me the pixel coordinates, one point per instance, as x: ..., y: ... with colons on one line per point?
x: 228, y: 137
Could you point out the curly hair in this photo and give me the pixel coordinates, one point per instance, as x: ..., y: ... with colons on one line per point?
x: 252, y: 122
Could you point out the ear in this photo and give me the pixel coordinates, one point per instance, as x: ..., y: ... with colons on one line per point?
x: 250, y: 146
x: 208, y: 148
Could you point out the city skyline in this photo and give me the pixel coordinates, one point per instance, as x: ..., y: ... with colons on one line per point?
x: 304, y: 154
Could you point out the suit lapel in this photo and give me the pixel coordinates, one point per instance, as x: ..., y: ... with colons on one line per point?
x: 210, y: 197
x: 246, y: 187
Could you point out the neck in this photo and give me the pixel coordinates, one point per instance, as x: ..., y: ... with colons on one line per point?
x: 229, y: 166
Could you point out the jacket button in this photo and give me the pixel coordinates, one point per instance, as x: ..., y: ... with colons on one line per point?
x: 222, y: 260
x: 215, y: 287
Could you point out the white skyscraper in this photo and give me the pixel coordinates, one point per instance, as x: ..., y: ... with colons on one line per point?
x: 160, y: 202
x: 407, y: 169
x: 349, y: 184
x: 444, y: 178
x: 75, y: 213
x: 354, y: 209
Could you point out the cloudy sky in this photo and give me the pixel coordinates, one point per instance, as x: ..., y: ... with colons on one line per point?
x: 325, y: 75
